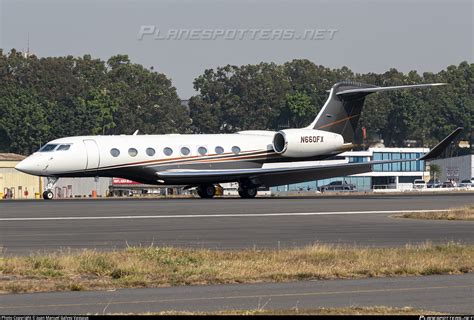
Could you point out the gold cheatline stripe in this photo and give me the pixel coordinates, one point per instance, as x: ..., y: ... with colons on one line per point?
x: 185, y: 160
x: 338, y: 121
x: 168, y: 160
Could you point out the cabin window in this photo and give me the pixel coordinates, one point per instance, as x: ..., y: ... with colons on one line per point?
x: 64, y: 147
x: 132, y: 152
x: 185, y: 151
x: 48, y: 148
x: 219, y: 150
x: 202, y: 151
x: 150, y: 152
x: 168, y: 151
x: 235, y: 149
x: 115, y: 152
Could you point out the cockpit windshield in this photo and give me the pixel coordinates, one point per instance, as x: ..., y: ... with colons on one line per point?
x: 48, y: 148
x: 63, y: 147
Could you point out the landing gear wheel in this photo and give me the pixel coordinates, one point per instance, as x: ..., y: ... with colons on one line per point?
x: 206, y: 191
x: 248, y: 192
x: 48, y: 195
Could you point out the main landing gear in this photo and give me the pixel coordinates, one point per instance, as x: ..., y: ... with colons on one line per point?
x: 247, y: 192
x: 207, y: 191
x: 48, y: 193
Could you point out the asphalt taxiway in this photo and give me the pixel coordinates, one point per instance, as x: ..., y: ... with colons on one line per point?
x: 31, y: 226
x: 450, y: 294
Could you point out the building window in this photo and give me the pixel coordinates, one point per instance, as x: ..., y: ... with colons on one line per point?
x: 115, y: 152
x: 357, y: 159
x: 235, y: 149
x: 219, y: 150
x: 185, y: 151
x: 168, y: 151
x: 132, y: 152
x: 202, y: 151
x: 150, y: 152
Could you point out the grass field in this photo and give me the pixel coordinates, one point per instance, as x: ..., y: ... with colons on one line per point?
x: 464, y: 213
x: 154, y: 266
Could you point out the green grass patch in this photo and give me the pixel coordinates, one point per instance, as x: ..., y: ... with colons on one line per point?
x: 155, y: 266
x: 464, y: 213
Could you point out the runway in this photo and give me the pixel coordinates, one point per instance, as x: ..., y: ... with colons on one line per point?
x: 104, y: 224
x: 450, y: 294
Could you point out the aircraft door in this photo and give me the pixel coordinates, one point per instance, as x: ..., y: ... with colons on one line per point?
x: 93, y: 155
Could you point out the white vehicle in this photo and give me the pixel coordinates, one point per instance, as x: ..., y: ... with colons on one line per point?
x: 466, y: 184
x: 203, y: 160
x: 419, y: 184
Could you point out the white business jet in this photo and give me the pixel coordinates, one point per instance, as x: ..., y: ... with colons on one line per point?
x: 204, y: 160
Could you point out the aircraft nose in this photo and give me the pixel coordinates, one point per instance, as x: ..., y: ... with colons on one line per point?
x: 27, y: 165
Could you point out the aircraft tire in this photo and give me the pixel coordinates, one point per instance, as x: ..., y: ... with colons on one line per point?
x: 248, y: 193
x: 48, y: 195
x: 206, y: 191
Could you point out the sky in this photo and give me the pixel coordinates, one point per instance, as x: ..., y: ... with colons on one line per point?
x: 366, y: 36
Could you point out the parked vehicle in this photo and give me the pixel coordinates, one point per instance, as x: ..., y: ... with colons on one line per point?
x: 419, y: 184
x: 467, y: 184
x: 434, y: 183
x: 448, y: 184
x: 338, y: 186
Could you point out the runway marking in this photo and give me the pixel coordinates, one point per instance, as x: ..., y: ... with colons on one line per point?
x: 230, y: 215
x: 276, y: 295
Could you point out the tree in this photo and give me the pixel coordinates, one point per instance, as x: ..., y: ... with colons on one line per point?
x: 268, y: 96
x: 46, y: 98
x: 435, y: 171
x: 239, y: 98
x: 300, y: 106
x: 23, y: 121
x: 145, y: 99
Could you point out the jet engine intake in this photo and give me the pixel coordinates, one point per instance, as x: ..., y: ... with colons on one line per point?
x: 300, y: 143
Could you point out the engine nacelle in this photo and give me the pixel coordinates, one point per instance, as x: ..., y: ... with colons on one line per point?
x: 301, y: 143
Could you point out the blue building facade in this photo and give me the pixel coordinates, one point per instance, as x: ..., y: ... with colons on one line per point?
x: 386, y: 176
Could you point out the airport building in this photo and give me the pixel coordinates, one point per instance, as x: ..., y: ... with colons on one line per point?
x: 392, y: 176
x: 15, y: 184
x: 81, y: 187
x: 456, y: 168
x: 105, y: 187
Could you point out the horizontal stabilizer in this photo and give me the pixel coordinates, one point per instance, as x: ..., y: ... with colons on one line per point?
x: 377, y: 89
x: 440, y: 147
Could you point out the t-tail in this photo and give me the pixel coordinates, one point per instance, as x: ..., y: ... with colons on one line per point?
x: 341, y: 112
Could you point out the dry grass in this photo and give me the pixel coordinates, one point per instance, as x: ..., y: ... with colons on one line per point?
x: 464, y: 213
x: 377, y: 310
x: 153, y: 266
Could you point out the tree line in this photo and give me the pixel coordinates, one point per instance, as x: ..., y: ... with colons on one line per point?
x: 46, y: 98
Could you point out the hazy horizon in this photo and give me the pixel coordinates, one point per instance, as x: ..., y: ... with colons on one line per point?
x: 371, y: 36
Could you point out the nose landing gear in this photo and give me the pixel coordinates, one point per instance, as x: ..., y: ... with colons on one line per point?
x: 48, y: 193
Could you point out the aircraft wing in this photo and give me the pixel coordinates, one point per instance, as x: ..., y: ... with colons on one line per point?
x: 287, y: 175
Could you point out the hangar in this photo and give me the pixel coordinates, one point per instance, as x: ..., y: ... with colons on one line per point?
x: 456, y: 168
x: 15, y: 184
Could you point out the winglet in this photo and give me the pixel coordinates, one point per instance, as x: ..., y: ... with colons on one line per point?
x: 440, y: 147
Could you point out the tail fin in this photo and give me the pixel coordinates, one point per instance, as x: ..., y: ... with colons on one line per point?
x: 341, y: 112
